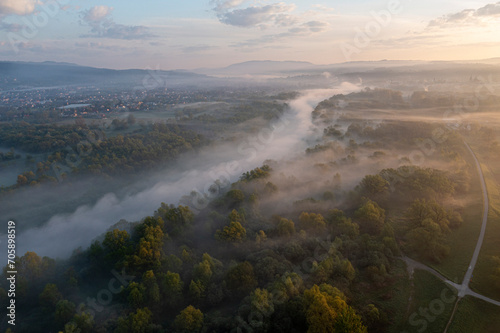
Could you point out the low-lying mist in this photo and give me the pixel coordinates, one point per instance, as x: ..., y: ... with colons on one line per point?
x: 281, y: 140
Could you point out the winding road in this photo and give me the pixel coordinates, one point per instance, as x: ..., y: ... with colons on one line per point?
x: 463, y: 289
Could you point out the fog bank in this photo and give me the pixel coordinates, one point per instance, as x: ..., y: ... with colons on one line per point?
x: 286, y: 137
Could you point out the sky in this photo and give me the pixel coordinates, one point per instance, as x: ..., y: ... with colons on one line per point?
x: 189, y: 34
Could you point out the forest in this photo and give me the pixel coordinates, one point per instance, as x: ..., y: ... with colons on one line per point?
x: 313, y: 243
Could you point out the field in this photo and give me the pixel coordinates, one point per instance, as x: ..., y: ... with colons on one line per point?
x: 431, y: 308
x: 474, y: 315
x: 463, y: 240
x: 481, y: 281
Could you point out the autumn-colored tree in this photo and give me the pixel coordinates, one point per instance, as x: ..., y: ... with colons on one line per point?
x: 149, y: 251
x: 237, y: 216
x: 190, y: 320
x: 136, y: 322
x: 327, y: 311
x: 260, y: 237
x: 233, y: 233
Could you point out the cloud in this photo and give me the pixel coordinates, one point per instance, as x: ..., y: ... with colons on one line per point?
x: 10, y: 27
x: 467, y: 16
x: 274, y: 14
x: 413, y: 40
x: 103, y: 26
x: 322, y: 8
x: 17, y: 7
x: 303, y: 30
x: 97, y: 13
x: 316, y: 26
x: 222, y: 6
x: 492, y: 9
x: 277, y: 14
x: 196, y: 49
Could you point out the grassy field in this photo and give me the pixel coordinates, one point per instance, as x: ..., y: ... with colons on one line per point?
x: 393, y: 299
x: 463, y: 241
x: 481, y: 281
x: 474, y: 315
x: 431, y: 308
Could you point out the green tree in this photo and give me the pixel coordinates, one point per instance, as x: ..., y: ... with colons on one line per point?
x: 151, y: 287
x: 170, y: 287
x: 84, y: 321
x: 138, y: 322
x: 233, y: 233
x: 311, y: 221
x: 371, y: 217
x: 422, y: 209
x: 197, y: 289
x: 261, y: 301
x: 285, y: 228
x: 149, y: 251
x: 260, y: 237
x: 136, y: 295
x: 190, y: 320
x: 177, y: 219
x: 235, y: 197
x: 131, y: 119
x: 65, y: 310
x: 427, y: 241
x: 117, y: 245
x: 241, y: 278
x: 289, y: 286
x: 428, y: 224
x: 235, y: 216
x: 327, y: 311
x: 374, y: 185
x: 49, y: 297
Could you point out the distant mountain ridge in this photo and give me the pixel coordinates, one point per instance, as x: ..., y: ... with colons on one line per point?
x: 17, y: 74
x: 39, y: 74
x: 271, y: 67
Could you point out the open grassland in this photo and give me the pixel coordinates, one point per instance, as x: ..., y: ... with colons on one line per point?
x: 391, y: 299
x: 482, y: 281
x: 475, y: 315
x: 463, y: 241
x: 431, y: 305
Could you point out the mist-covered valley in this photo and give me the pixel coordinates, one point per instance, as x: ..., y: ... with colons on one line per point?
x: 282, y: 138
x: 251, y: 209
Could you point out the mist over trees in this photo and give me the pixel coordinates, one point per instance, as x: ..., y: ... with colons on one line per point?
x: 311, y: 242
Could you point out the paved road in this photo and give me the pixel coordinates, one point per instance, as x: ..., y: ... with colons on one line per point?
x: 468, y: 275
x: 412, y: 265
x: 463, y: 289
